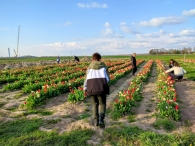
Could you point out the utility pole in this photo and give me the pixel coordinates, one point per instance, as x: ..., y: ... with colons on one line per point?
x: 8, y: 52
x: 18, y: 40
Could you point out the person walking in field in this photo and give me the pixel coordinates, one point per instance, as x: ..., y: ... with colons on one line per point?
x: 58, y: 60
x: 96, y: 86
x: 76, y: 59
x: 133, y: 63
x: 178, y: 72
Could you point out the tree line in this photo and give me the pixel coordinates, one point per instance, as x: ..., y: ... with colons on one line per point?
x: 184, y: 50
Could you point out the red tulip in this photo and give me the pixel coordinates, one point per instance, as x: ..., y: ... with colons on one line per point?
x: 176, y: 107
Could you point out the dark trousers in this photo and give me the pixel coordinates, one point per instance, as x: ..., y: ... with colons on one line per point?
x: 99, y: 106
x: 134, y: 70
x: 174, y: 76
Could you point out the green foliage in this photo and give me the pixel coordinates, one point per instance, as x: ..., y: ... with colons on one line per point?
x: 76, y: 95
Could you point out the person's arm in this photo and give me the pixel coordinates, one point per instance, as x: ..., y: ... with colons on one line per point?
x: 183, y: 71
x: 107, y: 75
x: 85, y: 82
x: 132, y: 63
x: 169, y: 70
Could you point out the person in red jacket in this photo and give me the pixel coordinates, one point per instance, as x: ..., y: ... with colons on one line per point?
x: 96, y: 86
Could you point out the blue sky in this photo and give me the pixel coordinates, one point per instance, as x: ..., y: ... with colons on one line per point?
x: 110, y: 27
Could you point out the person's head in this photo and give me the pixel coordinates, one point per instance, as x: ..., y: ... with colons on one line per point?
x: 171, y: 61
x: 134, y: 54
x: 96, y: 57
x: 176, y: 64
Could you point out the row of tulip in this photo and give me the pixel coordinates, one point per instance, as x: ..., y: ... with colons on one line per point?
x: 188, y: 60
x: 52, y: 90
x: 37, y: 72
x: 76, y: 95
x: 49, y: 69
x: 167, y: 96
x: 34, y: 83
x: 129, y: 97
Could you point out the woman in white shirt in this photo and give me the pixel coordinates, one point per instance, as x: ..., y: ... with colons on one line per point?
x: 178, y: 72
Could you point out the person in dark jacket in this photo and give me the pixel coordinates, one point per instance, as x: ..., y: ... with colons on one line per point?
x: 133, y: 63
x: 96, y: 86
x: 76, y: 59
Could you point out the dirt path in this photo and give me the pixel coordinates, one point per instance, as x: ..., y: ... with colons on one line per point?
x: 186, y: 93
x: 144, y: 113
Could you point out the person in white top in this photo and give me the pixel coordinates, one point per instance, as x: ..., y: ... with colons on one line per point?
x: 178, y: 71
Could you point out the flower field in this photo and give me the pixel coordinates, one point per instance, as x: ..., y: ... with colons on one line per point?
x: 46, y: 105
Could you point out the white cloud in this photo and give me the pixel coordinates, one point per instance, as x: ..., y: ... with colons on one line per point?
x: 107, y: 24
x: 184, y: 33
x: 173, y: 35
x: 189, y: 12
x: 162, y: 31
x: 67, y: 23
x: 156, y: 22
x: 187, y: 33
x: 108, y: 32
x: 150, y: 35
x: 125, y: 28
x: 112, y: 46
x: 92, y: 5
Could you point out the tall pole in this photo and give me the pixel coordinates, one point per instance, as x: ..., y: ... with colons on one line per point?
x: 8, y: 52
x: 18, y: 40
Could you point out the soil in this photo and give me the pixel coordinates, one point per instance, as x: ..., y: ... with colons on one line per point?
x: 67, y: 117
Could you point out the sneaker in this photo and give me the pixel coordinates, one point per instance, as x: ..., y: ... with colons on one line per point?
x: 94, y: 122
x: 101, y: 124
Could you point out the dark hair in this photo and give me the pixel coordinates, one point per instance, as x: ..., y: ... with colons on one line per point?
x: 172, y: 60
x: 96, y: 56
x: 176, y: 64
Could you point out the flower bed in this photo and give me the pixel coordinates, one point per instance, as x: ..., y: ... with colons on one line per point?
x: 127, y: 98
x: 54, y: 89
x: 167, y: 96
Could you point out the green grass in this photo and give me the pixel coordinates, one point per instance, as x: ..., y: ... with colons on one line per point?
x: 2, y: 103
x: 133, y: 136
x: 165, y: 124
x: 147, y: 57
x: 18, y: 95
x: 25, y: 132
x: 190, y: 69
x: 52, y: 121
x: 83, y: 116
x: 131, y: 118
x: 41, y: 112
